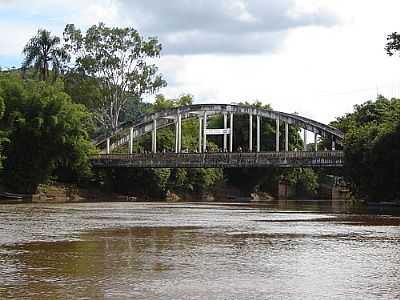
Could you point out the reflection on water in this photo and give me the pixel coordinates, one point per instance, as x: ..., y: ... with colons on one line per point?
x: 197, y: 251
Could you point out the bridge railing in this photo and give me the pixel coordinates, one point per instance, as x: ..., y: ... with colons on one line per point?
x: 221, y: 160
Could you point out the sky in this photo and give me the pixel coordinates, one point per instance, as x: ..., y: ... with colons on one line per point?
x: 317, y: 58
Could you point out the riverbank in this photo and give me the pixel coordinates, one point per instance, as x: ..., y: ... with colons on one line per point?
x: 62, y: 193
x: 71, y: 193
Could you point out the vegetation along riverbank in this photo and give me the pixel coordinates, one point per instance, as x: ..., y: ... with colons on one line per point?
x: 70, y: 92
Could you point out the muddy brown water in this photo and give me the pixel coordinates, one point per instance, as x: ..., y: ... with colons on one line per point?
x: 197, y: 251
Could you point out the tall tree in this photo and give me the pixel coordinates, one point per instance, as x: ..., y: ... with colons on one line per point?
x: 44, y: 52
x: 119, y: 60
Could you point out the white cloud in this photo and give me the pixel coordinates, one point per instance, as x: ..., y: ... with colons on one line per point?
x: 318, y: 71
x: 221, y: 26
x: 95, y: 12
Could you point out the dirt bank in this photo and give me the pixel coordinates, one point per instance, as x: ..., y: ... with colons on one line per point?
x: 71, y: 193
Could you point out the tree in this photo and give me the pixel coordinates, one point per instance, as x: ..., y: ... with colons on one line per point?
x: 393, y: 43
x: 137, y: 181
x: 45, y: 130
x: 118, y: 59
x: 372, y: 148
x: 304, y: 180
x: 43, y: 52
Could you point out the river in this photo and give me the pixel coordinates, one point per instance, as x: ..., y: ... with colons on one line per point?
x: 197, y: 251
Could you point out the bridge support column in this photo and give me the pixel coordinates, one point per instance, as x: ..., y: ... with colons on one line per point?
x: 108, y: 146
x: 286, y: 137
x: 333, y: 144
x: 131, y: 141
x: 305, y: 139
x: 154, y: 137
x: 225, y: 135
x: 277, y: 136
x: 258, y: 135
x: 315, y: 142
x: 231, y: 134
x: 200, y: 133
x: 205, y: 132
x: 178, y: 135
x: 250, y: 133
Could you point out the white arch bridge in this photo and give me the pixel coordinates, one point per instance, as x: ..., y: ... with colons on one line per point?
x: 228, y: 158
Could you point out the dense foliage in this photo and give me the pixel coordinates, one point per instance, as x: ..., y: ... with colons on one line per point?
x: 372, y: 149
x: 393, y: 43
x: 44, y: 130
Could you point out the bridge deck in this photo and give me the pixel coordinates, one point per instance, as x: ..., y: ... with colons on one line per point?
x: 221, y: 160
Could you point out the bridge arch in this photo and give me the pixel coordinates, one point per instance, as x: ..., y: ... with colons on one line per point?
x: 153, y: 121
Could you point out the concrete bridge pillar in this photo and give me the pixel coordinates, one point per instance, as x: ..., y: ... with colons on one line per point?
x: 286, y: 137
x: 305, y: 139
x: 178, y: 133
x: 108, y: 146
x: 250, y: 133
x: 277, y: 136
x: 154, y: 137
x: 315, y: 142
x: 258, y: 135
x: 225, y: 135
x: 131, y: 140
x: 205, y: 132
x: 333, y: 144
x: 231, y: 134
x: 200, y: 133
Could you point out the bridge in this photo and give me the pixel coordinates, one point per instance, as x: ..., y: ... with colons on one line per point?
x: 227, y: 158
x: 221, y: 160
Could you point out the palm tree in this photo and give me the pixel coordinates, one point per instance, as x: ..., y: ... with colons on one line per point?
x: 43, y: 52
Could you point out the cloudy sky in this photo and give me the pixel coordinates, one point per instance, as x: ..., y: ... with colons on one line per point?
x: 314, y: 57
